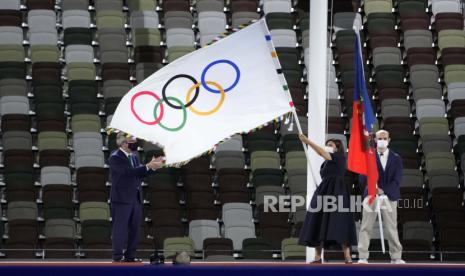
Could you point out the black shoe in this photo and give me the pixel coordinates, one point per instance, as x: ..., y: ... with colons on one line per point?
x: 118, y: 260
x: 132, y: 260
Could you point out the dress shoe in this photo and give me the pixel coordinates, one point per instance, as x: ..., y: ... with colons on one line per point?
x: 132, y: 260
x: 118, y: 260
x: 397, y: 261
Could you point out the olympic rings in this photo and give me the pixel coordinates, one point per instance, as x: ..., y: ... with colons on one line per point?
x: 162, y: 110
x: 184, y: 115
x: 189, y: 102
x: 204, y: 72
x: 216, y: 108
x: 172, y: 79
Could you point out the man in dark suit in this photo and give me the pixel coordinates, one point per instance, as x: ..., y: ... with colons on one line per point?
x: 126, y: 174
x: 388, y: 193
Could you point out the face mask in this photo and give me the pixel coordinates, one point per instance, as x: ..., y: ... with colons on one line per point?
x: 132, y: 146
x: 382, y: 144
x: 329, y: 149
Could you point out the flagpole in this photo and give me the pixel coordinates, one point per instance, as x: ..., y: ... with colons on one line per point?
x: 380, y: 222
x: 293, y: 111
x: 317, y: 93
x: 300, y: 131
x: 378, y: 209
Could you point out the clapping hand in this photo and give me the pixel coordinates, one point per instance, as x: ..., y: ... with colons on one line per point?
x: 156, y: 163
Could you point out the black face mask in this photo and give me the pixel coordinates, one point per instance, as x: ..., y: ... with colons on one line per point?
x: 132, y: 146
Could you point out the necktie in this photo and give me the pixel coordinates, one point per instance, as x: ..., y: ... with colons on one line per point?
x: 132, y: 159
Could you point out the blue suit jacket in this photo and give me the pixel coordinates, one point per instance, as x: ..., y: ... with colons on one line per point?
x: 389, y: 179
x: 125, y: 180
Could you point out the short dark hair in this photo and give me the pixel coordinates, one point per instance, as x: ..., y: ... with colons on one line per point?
x: 339, y: 145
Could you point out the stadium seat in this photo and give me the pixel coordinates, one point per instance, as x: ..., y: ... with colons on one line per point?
x: 291, y: 250
x: 91, y: 183
x: 178, y: 19
x: 439, y: 6
x: 60, y: 235
x: 257, y: 248
x: 233, y: 186
x: 218, y: 249
x: 417, y: 236
x: 76, y: 18
x: 199, y: 230
x: 96, y: 237
x: 448, y: 21
x: 177, y: 244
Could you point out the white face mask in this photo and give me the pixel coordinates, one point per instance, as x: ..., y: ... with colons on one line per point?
x: 329, y: 149
x: 382, y: 144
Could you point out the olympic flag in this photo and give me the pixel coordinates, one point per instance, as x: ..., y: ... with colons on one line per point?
x: 202, y: 98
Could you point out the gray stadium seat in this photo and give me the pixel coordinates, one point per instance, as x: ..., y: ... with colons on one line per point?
x: 180, y: 37
x: 22, y: 210
x: 441, y: 6
x: 13, y: 87
x: 395, y: 108
x: 459, y: 126
x: 211, y: 24
x: 284, y: 38
x: 236, y: 212
x: 112, y: 44
x: 229, y: 159
x: 270, y: 6
x: 386, y: 56
x: 423, y: 75
x: 11, y: 35
x: 79, y: 53
x: 76, y: 19
x: 144, y: 19
x: 346, y: 21
x: 430, y: 108
x: 14, y: 105
x: 199, y: 230
x: 60, y: 228
x: 10, y: 5
x: 115, y: 88
x: 88, y: 149
x: 178, y: 19
x: 262, y: 191
x: 55, y: 175
x: 16, y: 140
x: 41, y: 21
x: 241, y: 18
x: 417, y: 38
x: 412, y: 178
x: 238, y: 232
x: 233, y: 144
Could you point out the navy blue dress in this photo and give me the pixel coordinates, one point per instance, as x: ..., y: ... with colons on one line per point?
x: 329, y: 228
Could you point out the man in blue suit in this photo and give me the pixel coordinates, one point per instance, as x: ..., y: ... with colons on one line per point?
x: 390, y: 175
x: 126, y: 174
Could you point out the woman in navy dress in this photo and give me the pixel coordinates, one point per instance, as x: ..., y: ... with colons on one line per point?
x: 322, y: 229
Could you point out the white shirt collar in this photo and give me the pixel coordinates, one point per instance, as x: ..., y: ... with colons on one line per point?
x: 385, y: 153
x: 125, y: 153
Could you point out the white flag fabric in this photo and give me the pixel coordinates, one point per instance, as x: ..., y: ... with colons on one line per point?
x: 200, y: 99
